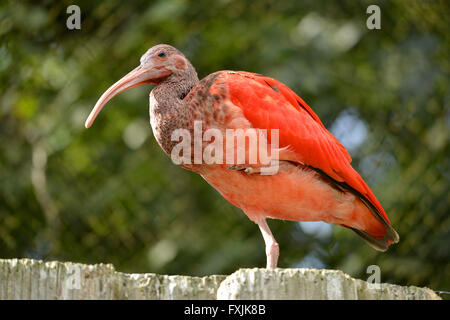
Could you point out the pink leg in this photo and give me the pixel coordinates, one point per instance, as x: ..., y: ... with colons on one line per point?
x: 272, y: 248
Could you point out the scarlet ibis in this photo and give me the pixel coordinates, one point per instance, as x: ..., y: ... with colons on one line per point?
x: 314, y: 180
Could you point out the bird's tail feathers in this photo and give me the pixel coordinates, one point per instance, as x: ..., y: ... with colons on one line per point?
x: 380, y: 244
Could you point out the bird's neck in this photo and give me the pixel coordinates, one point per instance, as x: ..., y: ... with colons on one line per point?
x: 167, y: 98
x: 169, y: 110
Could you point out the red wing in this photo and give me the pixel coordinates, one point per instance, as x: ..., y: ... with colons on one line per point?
x: 269, y: 104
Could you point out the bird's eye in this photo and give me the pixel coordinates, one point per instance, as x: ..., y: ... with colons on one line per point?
x: 162, y: 54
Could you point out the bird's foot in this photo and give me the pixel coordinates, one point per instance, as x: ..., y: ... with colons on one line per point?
x: 247, y: 170
x: 272, y: 253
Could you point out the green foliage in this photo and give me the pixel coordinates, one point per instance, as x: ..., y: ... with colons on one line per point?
x: 109, y: 194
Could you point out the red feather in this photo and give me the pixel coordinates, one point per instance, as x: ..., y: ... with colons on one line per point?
x: 269, y: 104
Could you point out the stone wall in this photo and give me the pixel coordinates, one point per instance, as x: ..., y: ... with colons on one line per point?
x: 33, y: 279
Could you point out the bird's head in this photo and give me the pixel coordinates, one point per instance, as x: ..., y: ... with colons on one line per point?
x: 159, y: 64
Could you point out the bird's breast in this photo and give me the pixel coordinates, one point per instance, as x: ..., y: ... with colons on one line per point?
x: 155, y: 117
x: 190, y: 122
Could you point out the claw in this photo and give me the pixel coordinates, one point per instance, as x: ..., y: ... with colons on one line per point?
x: 247, y: 170
x: 236, y: 167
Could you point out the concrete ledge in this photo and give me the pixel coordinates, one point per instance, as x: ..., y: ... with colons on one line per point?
x: 33, y: 279
x: 312, y: 284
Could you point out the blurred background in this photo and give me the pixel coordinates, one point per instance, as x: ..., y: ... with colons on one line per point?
x: 110, y: 195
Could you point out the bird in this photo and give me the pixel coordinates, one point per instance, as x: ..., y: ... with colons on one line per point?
x: 307, y: 173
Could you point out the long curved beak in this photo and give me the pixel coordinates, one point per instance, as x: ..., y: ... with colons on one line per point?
x: 134, y: 78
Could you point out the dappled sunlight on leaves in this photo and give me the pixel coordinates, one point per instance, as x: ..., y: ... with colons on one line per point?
x: 109, y: 194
